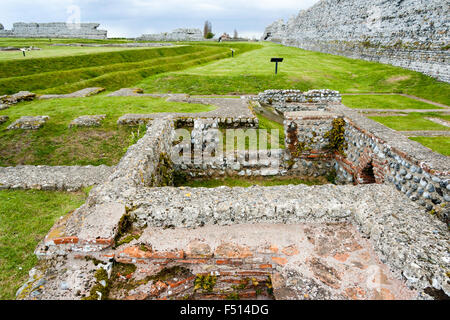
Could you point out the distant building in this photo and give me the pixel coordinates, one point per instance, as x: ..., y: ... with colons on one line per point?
x: 225, y: 37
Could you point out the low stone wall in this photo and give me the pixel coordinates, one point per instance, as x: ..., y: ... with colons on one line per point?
x: 147, y: 163
x: 54, y: 30
x: 83, y: 93
x: 129, y: 219
x: 312, y: 96
x: 229, y: 112
x: 371, y: 153
x: 176, y: 35
x: 61, y: 178
x: 7, y: 100
x: 188, y: 121
x: 202, y: 153
x: 29, y: 123
x: 429, y: 186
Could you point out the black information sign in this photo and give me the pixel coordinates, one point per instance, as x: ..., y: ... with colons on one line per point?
x: 276, y: 60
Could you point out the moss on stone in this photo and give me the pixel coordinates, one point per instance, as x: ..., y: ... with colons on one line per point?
x: 127, y: 239
x: 205, y: 282
x: 336, y: 136
x: 233, y: 296
x: 164, y: 171
x: 95, y: 261
x: 124, y: 226
x: 100, y: 289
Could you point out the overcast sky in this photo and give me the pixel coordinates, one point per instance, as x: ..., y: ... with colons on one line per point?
x: 131, y: 18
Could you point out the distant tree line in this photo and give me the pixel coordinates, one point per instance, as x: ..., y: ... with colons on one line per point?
x: 208, y: 34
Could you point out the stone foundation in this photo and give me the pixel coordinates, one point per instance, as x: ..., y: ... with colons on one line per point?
x: 61, y: 178
x: 369, y: 156
x: 87, y: 121
x: 28, y: 123
x: 137, y: 237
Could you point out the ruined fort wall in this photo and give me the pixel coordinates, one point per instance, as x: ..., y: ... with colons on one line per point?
x: 176, y: 35
x: 413, y: 34
x: 54, y: 30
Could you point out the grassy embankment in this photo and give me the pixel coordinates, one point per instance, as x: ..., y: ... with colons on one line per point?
x: 252, y: 72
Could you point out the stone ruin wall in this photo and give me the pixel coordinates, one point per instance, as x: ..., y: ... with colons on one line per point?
x: 54, y: 30
x: 90, y: 232
x: 176, y: 35
x: 132, y: 194
x: 373, y: 153
x: 412, y: 34
x: 372, y: 158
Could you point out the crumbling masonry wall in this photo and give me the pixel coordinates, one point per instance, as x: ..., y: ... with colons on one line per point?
x: 146, y: 164
x: 54, y: 30
x: 126, y: 235
x: 411, y: 34
x: 180, y: 34
x: 368, y: 155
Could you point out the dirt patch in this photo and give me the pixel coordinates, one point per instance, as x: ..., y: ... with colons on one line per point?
x: 397, y: 79
x: 301, y: 79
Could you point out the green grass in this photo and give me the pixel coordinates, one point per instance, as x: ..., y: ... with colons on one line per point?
x: 437, y: 144
x: 385, y: 102
x: 56, y: 51
x: 112, y: 70
x: 413, y: 121
x: 269, y: 125
x: 56, y: 144
x: 252, y: 72
x: 25, y: 218
x: 264, y: 123
x: 248, y: 182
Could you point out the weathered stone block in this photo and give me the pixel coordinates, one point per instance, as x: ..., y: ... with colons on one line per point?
x: 29, y: 123
x: 3, y: 119
x: 87, y: 121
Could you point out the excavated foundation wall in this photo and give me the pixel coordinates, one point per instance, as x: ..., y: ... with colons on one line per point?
x: 113, y: 238
x: 204, y: 155
x: 357, y: 155
x: 364, y: 157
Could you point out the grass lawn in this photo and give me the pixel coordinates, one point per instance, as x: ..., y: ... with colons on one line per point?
x: 57, y: 51
x: 438, y: 144
x: 112, y: 69
x: 25, y: 218
x: 252, y: 72
x: 269, y: 125
x: 385, y: 102
x: 413, y: 122
x: 248, y: 182
x: 56, y: 144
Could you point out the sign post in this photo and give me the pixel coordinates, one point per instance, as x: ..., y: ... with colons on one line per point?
x: 276, y: 60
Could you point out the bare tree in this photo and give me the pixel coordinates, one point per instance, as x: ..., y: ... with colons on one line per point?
x: 207, y: 29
